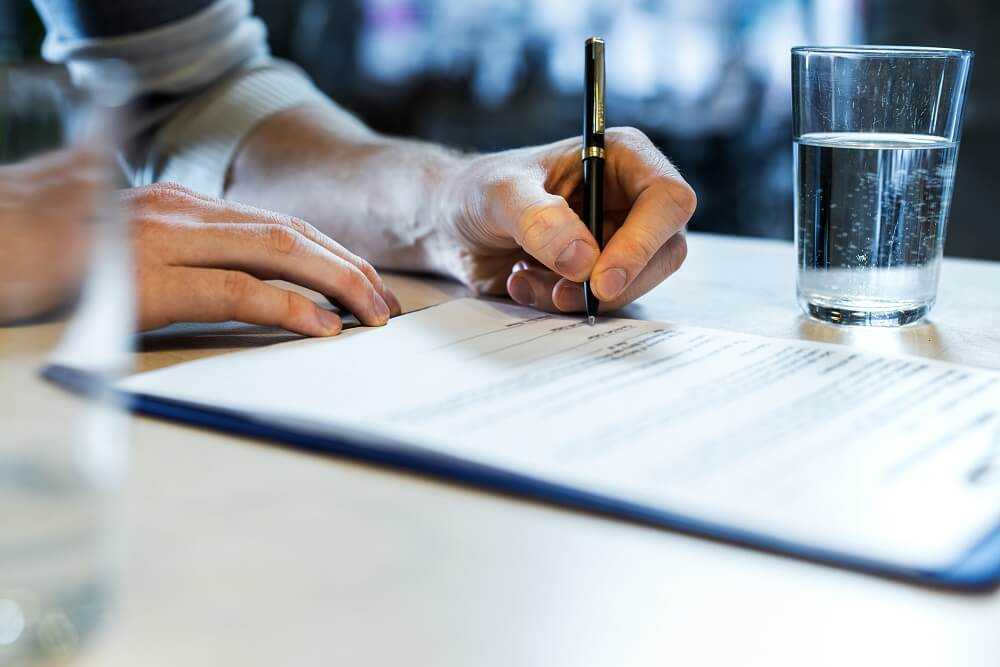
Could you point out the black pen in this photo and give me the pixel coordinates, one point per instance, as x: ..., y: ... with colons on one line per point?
x: 593, y: 155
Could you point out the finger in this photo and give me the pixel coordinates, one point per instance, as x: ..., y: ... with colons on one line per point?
x: 321, y: 239
x: 395, y: 308
x: 545, y: 226
x: 220, y: 211
x: 214, y: 295
x: 568, y: 296
x: 276, y: 252
x: 533, y: 287
x: 525, y: 264
x: 660, y: 204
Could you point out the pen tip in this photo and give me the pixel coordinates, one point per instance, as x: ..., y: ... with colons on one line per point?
x: 591, y: 320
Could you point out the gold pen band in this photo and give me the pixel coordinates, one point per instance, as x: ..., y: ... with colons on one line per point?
x: 592, y: 151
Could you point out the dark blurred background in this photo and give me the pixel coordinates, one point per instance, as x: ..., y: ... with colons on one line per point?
x: 709, y: 81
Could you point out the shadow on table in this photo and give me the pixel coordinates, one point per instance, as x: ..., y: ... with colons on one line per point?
x: 218, y: 336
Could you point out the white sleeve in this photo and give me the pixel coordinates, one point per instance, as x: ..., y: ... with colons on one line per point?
x: 196, y: 144
x: 199, y: 86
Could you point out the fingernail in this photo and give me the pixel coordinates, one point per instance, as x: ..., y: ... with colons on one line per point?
x: 520, y: 290
x: 611, y: 283
x: 329, y: 322
x: 381, y: 310
x: 576, y: 258
x: 567, y: 296
x: 394, y: 306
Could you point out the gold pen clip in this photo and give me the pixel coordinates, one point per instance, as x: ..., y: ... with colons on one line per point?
x: 598, y: 45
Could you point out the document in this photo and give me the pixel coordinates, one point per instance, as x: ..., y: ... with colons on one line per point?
x: 881, y: 457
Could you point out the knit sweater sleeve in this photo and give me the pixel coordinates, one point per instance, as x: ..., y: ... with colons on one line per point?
x: 200, y: 76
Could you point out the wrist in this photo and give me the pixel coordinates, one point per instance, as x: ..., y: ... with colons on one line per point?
x: 452, y: 200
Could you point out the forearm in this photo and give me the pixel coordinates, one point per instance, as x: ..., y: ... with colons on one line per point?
x: 386, y: 199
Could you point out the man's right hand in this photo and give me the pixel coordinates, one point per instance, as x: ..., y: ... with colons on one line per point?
x: 205, y: 260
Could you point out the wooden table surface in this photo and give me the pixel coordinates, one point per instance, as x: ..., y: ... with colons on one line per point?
x: 245, y: 553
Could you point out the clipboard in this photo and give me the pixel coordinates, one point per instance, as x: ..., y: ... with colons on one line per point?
x: 976, y: 571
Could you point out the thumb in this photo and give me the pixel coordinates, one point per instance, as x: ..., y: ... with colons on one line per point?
x: 545, y: 226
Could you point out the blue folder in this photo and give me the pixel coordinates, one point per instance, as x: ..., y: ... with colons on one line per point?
x: 978, y: 570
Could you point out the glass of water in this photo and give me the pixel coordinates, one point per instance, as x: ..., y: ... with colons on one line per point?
x: 64, y: 297
x: 876, y: 134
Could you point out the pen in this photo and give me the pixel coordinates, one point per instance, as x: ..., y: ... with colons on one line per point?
x: 593, y: 155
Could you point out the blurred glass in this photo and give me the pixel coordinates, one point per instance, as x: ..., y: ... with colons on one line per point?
x: 876, y: 134
x: 64, y: 298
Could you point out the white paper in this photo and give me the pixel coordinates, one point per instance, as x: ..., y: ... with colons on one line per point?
x: 885, y: 457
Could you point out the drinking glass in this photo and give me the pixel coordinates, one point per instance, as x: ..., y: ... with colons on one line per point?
x: 876, y: 135
x: 64, y: 301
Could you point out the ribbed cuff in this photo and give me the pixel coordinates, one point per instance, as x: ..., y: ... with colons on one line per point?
x: 197, y: 145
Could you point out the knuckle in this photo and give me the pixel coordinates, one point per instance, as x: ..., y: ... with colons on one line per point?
x: 356, y: 282
x: 685, y: 197
x: 236, y: 286
x: 281, y: 240
x: 505, y: 192
x: 537, y: 228
x: 629, y: 134
x: 500, y: 195
x: 298, y: 226
x: 174, y: 187
x: 501, y: 189
x: 296, y: 307
x: 640, y: 246
x: 366, y: 268
x: 157, y: 194
x: 137, y: 195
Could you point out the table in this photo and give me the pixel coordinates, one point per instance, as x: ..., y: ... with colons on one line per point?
x: 247, y: 553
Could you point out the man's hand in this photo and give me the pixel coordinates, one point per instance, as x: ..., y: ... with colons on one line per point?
x: 205, y: 260
x: 47, y: 205
x: 517, y: 225
x: 506, y: 222
x: 197, y: 259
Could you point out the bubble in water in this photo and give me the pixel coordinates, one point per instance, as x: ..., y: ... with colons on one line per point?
x: 872, y: 206
x: 12, y: 622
